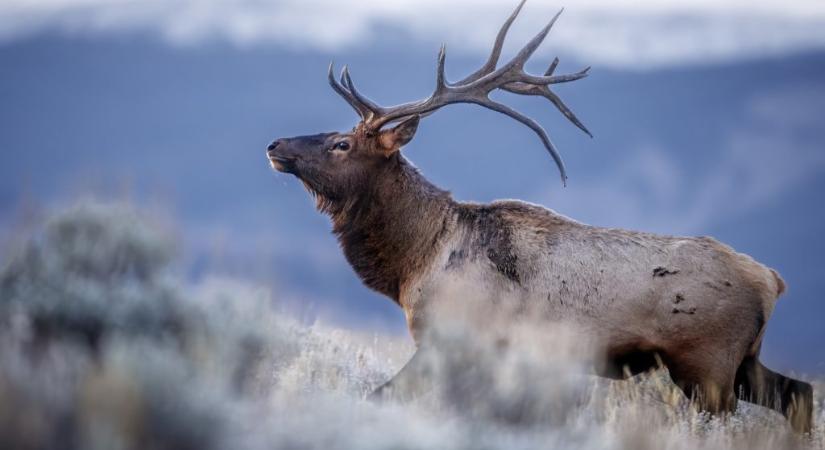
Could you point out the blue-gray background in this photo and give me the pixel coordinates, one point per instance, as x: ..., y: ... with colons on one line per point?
x: 729, y: 147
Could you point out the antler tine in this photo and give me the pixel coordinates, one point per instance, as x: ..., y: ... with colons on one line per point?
x: 527, y: 51
x: 490, y: 65
x: 440, y: 82
x: 553, y: 79
x: 552, y: 67
x: 544, y: 91
x: 373, y: 108
x: 343, y: 92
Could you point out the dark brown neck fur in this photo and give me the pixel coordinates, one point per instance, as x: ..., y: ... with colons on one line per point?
x: 391, y: 230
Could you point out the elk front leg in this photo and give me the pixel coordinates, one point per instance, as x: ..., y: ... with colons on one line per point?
x: 413, y: 380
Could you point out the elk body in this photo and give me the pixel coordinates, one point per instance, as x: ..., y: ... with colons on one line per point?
x: 693, y: 304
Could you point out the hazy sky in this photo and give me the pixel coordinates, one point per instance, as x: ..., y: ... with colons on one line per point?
x: 620, y: 33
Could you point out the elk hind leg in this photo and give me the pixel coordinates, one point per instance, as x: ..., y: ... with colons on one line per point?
x: 757, y: 384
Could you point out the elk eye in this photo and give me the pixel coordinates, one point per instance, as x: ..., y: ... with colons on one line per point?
x: 343, y: 145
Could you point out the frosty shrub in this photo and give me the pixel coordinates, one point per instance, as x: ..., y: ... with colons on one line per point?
x: 104, y: 346
x: 92, y: 270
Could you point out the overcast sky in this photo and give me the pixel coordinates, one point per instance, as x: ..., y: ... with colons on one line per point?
x: 620, y: 33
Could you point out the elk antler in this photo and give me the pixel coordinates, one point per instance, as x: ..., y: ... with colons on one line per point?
x: 476, y: 88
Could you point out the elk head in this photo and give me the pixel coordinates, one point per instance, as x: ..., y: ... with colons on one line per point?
x: 337, y: 166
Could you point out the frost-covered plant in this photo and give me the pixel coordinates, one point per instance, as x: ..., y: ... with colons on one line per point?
x: 103, y: 346
x: 91, y: 270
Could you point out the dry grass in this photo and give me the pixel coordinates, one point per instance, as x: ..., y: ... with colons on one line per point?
x: 101, y: 346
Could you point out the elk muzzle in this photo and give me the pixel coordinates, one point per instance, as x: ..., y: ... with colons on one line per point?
x: 280, y: 158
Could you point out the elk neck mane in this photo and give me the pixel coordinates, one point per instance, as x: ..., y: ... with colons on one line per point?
x: 390, y: 230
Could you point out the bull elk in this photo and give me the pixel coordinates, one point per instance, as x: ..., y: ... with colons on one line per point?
x: 690, y: 303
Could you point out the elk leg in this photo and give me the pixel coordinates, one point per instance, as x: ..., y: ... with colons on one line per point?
x: 707, y: 384
x: 757, y: 384
x: 414, y: 379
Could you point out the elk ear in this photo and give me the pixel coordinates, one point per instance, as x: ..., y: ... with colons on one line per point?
x: 393, y: 139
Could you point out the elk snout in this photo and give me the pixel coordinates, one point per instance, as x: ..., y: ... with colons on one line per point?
x: 270, y: 149
x: 277, y: 155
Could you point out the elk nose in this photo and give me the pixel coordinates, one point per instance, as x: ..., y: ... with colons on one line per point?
x: 274, y: 145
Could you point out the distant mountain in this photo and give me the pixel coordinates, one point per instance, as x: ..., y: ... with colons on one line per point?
x: 731, y: 151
